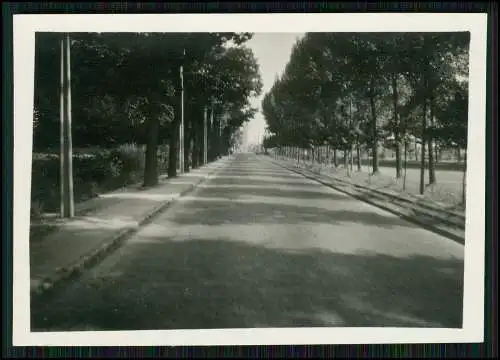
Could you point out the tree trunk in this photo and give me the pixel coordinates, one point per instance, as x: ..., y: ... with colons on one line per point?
x: 151, y: 163
x: 358, y: 155
x: 374, y: 132
x: 187, y: 146
x: 335, y: 158
x: 198, y: 143
x: 219, y: 137
x: 396, y: 127
x: 464, y: 178
x: 351, y: 158
x: 327, y: 155
x: 422, y: 149
x: 189, y: 155
x: 405, y: 164
x: 459, y: 156
x: 173, y: 151
x: 346, y: 158
x: 430, y: 142
x: 212, y: 142
x: 197, y: 154
x: 195, y: 146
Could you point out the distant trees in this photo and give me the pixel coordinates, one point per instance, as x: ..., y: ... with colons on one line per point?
x: 357, y: 92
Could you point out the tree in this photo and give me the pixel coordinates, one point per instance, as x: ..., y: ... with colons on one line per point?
x: 360, y: 90
x: 127, y: 88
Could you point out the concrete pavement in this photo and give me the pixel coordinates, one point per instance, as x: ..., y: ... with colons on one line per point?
x: 259, y: 246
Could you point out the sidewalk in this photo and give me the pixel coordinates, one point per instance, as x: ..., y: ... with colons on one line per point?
x: 80, y: 241
x: 377, y: 185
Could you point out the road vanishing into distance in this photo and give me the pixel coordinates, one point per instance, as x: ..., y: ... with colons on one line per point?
x: 259, y: 246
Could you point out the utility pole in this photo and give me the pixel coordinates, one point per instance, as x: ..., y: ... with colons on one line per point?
x: 221, y: 118
x: 181, y: 127
x: 205, y: 137
x: 211, y: 130
x: 66, y: 146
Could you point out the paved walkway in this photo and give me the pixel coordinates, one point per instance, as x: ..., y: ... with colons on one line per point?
x: 80, y: 240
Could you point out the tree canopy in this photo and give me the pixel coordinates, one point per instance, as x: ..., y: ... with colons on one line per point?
x: 126, y: 89
x: 119, y: 80
x: 368, y: 90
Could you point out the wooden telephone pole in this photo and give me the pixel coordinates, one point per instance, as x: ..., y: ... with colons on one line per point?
x: 212, y: 140
x: 66, y: 155
x: 181, y: 127
x: 205, y: 137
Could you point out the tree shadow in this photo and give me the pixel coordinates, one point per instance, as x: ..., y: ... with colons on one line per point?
x: 207, y: 211
x: 160, y: 283
x: 270, y: 175
x: 273, y: 192
x: 261, y: 182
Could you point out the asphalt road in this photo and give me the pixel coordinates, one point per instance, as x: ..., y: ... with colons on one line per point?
x: 258, y: 246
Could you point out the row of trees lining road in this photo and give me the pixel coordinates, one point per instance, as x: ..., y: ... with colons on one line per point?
x: 148, y: 89
x: 360, y: 92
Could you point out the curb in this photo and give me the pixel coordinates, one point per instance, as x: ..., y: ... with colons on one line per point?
x: 89, y: 205
x: 439, y: 231
x: 439, y: 214
x: 403, y: 199
x: 50, y: 284
x: 414, y: 201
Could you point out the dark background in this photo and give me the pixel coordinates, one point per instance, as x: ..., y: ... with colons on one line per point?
x: 488, y: 349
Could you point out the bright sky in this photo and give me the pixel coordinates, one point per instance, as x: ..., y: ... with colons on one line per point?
x: 272, y: 51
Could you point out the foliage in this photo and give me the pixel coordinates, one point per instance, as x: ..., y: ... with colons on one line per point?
x: 119, y: 80
x: 126, y: 87
x: 103, y: 170
x: 369, y: 90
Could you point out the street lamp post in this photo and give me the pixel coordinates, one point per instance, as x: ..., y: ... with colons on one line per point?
x: 211, y: 130
x: 181, y: 127
x: 66, y: 151
x: 205, y: 136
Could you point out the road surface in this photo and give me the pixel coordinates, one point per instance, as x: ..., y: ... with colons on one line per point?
x: 258, y: 246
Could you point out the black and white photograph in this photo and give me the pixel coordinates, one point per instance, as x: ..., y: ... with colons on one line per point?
x: 249, y: 179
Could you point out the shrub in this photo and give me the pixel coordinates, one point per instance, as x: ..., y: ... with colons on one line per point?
x: 125, y: 163
x: 162, y: 158
x: 45, y: 184
x: 93, y: 171
x: 130, y: 157
x: 37, y: 209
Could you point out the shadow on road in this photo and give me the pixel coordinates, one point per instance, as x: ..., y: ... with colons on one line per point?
x: 255, y: 211
x: 297, y: 193
x: 216, y: 283
x: 270, y: 174
x: 272, y: 182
